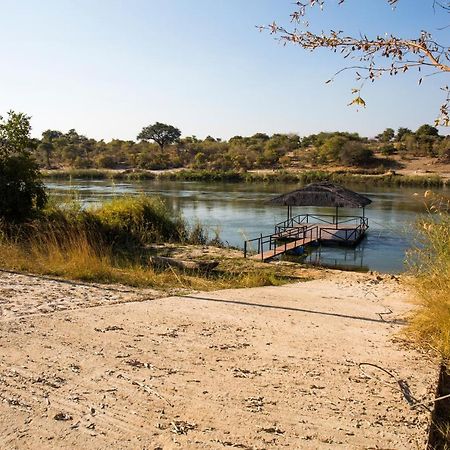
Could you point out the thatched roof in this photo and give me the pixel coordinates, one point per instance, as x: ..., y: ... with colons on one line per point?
x: 322, y: 194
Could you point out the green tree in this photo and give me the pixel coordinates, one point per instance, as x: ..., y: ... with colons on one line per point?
x: 427, y: 131
x: 402, y: 131
x: 160, y: 133
x: 355, y: 154
x: 387, y: 135
x: 46, y: 148
x: 22, y: 191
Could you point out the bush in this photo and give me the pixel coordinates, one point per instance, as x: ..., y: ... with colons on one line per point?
x: 140, y: 219
x: 355, y: 154
x: 22, y: 191
x: 387, y: 150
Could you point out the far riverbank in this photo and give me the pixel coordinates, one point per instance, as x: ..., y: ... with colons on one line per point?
x: 355, y: 177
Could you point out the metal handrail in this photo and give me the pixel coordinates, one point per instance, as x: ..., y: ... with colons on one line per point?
x: 301, y: 218
x: 292, y: 233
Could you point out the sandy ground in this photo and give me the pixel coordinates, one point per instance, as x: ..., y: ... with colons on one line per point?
x: 266, y: 368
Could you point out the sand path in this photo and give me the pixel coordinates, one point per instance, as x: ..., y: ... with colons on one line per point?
x: 262, y: 368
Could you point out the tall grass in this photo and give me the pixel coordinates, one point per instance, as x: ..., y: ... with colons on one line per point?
x: 110, y: 244
x: 430, y: 323
x: 431, y: 264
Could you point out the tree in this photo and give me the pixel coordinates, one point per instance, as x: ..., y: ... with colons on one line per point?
x: 47, y: 149
x: 427, y: 131
x: 161, y: 133
x: 355, y: 154
x: 387, y: 135
x: 20, y: 184
x: 376, y: 56
x: 402, y: 132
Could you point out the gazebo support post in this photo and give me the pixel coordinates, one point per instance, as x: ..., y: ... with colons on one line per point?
x: 337, y: 216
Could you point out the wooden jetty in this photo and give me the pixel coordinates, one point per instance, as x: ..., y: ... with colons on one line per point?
x: 323, y: 230
x: 297, y: 233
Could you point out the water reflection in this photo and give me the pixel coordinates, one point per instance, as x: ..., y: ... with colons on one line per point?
x: 240, y: 212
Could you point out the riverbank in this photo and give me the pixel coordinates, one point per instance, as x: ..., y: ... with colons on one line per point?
x: 375, y: 177
x: 248, y: 368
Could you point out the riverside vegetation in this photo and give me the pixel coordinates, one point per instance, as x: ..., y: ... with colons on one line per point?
x: 377, y: 177
x: 110, y: 243
x: 160, y: 147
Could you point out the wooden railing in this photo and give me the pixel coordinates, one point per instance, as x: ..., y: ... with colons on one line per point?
x: 303, y: 229
x: 331, y: 219
x: 294, y: 237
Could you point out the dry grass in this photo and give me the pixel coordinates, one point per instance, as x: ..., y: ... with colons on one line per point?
x: 430, y: 324
x: 78, y: 260
x: 108, y: 244
x: 431, y: 262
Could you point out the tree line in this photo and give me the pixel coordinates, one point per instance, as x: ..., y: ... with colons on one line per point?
x: 160, y: 146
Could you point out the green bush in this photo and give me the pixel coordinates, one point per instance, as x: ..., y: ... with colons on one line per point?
x: 144, y: 219
x: 22, y: 191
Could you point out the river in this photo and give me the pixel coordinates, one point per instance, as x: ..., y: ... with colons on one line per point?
x: 239, y: 212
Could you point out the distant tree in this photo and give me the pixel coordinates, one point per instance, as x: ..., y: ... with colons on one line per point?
x: 387, y: 150
x: 46, y: 148
x: 373, y: 56
x: 160, y: 133
x: 387, y: 135
x: 355, y: 154
x: 261, y: 136
x: 427, y: 131
x: 402, y: 132
x: 51, y: 135
x: 22, y: 191
x: 332, y: 147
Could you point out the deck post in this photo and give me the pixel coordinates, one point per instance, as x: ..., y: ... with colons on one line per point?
x: 337, y: 216
x: 262, y: 246
x: 245, y: 249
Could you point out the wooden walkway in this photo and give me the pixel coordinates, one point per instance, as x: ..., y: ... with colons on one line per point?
x: 304, y: 235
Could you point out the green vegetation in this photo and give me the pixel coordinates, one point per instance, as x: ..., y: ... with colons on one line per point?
x: 160, y: 133
x: 376, y: 176
x: 113, y: 243
x: 22, y: 192
x: 72, y: 151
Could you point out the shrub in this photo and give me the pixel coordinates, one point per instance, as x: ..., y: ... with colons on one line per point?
x: 355, y: 154
x: 387, y: 149
x: 22, y: 191
x: 141, y: 219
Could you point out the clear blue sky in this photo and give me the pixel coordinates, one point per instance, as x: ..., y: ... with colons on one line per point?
x: 109, y: 67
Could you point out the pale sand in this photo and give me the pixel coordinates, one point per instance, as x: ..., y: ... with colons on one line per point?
x: 262, y: 368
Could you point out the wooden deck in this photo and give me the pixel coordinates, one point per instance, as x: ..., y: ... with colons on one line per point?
x: 302, y: 235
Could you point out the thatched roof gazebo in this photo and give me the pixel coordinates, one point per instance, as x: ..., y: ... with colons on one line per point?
x: 324, y: 194
x: 297, y: 233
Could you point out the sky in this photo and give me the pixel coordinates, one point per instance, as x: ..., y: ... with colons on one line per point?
x: 110, y: 67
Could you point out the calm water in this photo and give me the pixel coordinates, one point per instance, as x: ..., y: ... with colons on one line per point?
x: 239, y: 212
